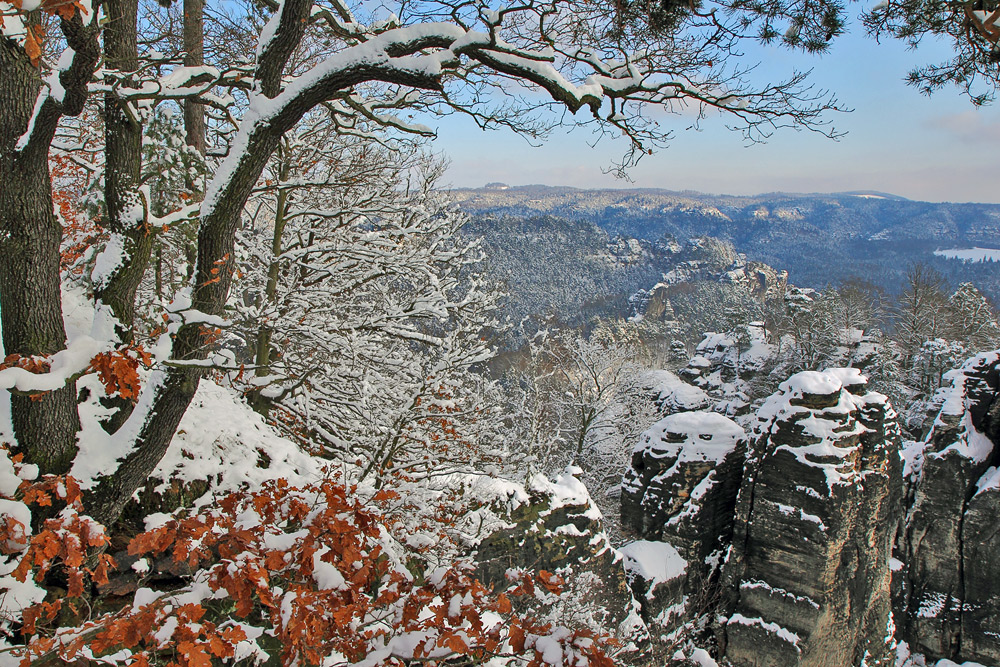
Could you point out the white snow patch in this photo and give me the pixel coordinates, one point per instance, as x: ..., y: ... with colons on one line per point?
x: 970, y: 254
x: 565, y: 491
x: 220, y: 439
x: 989, y: 481
x: 775, y: 629
x: 655, y: 562
x: 692, y: 436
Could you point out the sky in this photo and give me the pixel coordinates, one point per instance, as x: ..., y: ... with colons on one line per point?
x: 899, y: 141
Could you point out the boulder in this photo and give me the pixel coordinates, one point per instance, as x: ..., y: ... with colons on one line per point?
x: 808, y: 576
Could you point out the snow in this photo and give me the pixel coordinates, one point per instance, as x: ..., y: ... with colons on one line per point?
x: 11, y: 24
x: 952, y: 394
x: 676, y: 394
x: 220, y: 439
x: 701, y: 658
x: 989, y: 481
x: 971, y: 444
x: 655, y: 562
x: 912, y: 454
x: 108, y: 261
x: 773, y: 628
x: 327, y: 576
x: 565, y: 491
x: 181, y: 77
x: 64, y: 365
x: 970, y: 254
x: 825, y: 427
x: 812, y: 382
x: 932, y: 605
x: 757, y: 584
x: 691, y: 436
x: 788, y: 510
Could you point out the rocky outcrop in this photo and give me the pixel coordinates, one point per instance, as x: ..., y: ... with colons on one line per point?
x: 556, y: 528
x: 672, y: 395
x: 728, y: 367
x: 808, y: 578
x: 681, y: 487
x: 657, y: 575
x: 679, y: 495
x: 950, y: 582
x: 708, y: 260
x: 808, y: 573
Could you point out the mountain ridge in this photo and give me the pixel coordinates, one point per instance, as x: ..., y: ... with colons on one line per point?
x: 820, y: 239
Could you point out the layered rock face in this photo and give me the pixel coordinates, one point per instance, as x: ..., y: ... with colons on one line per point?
x: 951, y: 580
x: 816, y: 516
x: 658, y: 576
x: 681, y: 487
x: 679, y: 495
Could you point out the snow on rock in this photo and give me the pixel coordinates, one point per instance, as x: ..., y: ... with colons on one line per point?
x: 723, y: 367
x: 675, y: 395
x: 700, y: 657
x: 951, y: 538
x: 558, y: 529
x: 691, y: 436
x: 657, y: 576
x: 656, y: 562
x: 565, y: 491
x: 823, y: 474
x: 682, y: 481
x: 823, y: 411
x: 680, y: 490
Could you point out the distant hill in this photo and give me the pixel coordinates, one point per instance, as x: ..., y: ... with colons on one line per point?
x: 818, y: 238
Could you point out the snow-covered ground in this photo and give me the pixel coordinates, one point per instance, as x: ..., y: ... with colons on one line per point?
x: 970, y: 254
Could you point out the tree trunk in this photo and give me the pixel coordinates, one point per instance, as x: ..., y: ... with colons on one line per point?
x: 171, y: 397
x: 262, y: 359
x: 176, y: 386
x: 123, y: 150
x: 30, y: 294
x: 194, y: 56
x: 123, y: 171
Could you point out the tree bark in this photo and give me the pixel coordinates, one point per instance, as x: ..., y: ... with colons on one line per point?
x: 126, y: 215
x: 123, y: 167
x: 45, y: 427
x: 262, y: 359
x: 221, y: 217
x: 194, y: 56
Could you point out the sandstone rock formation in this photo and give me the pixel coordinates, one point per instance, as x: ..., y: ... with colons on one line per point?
x: 681, y: 487
x: 557, y: 529
x: 657, y: 574
x: 951, y: 546
x: 815, y: 520
x: 680, y: 495
x: 821, y: 504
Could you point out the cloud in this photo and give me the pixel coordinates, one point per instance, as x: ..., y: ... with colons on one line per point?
x: 970, y: 126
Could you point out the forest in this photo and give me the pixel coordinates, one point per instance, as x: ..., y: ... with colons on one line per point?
x: 261, y: 403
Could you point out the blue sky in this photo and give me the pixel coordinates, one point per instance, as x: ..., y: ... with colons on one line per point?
x: 935, y: 148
